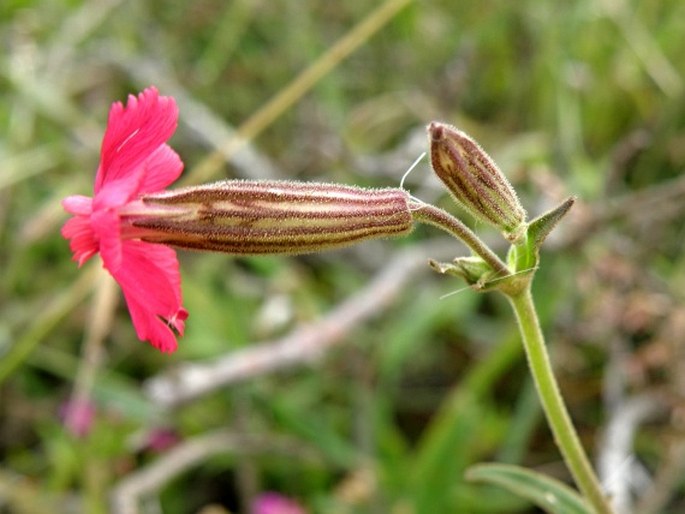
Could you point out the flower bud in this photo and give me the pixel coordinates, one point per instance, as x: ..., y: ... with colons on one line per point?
x: 474, y: 180
x: 252, y: 217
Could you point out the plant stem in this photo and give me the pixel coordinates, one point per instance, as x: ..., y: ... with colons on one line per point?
x: 553, y: 404
x: 435, y: 216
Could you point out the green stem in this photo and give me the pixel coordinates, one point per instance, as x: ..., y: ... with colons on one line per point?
x: 435, y: 216
x: 553, y: 404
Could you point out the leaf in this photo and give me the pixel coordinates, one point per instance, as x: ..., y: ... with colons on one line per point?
x: 547, y: 493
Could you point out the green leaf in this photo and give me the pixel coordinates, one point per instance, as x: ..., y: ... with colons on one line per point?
x: 547, y: 493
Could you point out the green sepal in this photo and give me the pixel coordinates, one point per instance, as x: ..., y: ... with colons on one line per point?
x: 480, y: 276
x: 526, y: 254
x: 540, y: 227
x: 474, y: 270
x: 523, y: 256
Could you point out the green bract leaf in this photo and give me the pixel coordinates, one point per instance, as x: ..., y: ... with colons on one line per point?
x: 540, y: 227
x: 547, y: 493
x: 525, y: 254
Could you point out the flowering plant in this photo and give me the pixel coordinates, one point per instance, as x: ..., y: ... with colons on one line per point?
x: 131, y: 220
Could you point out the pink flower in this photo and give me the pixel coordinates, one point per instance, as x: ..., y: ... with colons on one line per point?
x: 275, y: 503
x: 161, y: 439
x: 78, y: 416
x: 134, y: 160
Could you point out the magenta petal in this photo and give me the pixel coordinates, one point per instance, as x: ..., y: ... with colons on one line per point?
x: 151, y: 328
x: 118, y: 192
x: 133, y: 133
x: 151, y: 282
x: 82, y: 239
x: 106, y: 224
x: 162, y: 168
x: 156, y: 172
x: 78, y: 204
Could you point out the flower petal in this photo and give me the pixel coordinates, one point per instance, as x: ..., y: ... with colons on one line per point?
x: 156, y: 172
x: 106, y: 225
x: 133, y: 133
x: 151, y: 328
x: 82, y: 240
x: 78, y: 204
x: 151, y: 282
x: 118, y: 192
x: 162, y: 168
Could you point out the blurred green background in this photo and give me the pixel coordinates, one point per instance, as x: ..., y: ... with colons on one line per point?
x: 381, y: 414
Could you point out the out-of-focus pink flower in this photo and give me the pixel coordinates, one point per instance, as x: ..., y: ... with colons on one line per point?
x: 78, y: 416
x: 276, y: 503
x: 160, y: 439
x: 134, y: 160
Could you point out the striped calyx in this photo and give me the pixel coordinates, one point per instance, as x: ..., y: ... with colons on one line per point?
x: 252, y: 217
x: 474, y: 180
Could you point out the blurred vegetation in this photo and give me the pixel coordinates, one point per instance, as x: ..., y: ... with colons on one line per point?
x: 580, y: 97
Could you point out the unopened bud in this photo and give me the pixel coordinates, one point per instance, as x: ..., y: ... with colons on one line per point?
x: 252, y: 217
x: 475, y: 180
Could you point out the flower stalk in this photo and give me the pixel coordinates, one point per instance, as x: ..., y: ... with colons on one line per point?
x: 437, y: 217
x: 553, y: 404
